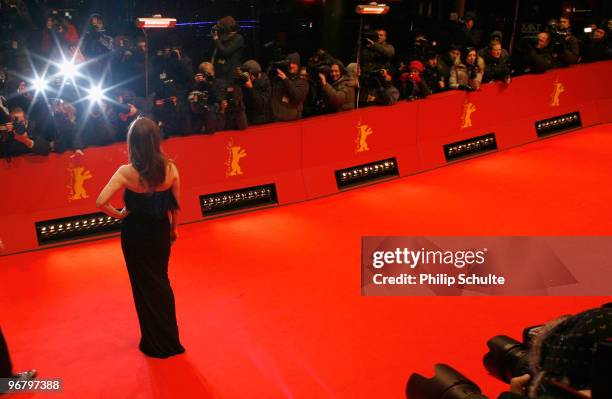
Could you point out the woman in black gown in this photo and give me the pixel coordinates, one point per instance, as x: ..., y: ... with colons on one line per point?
x: 151, y: 196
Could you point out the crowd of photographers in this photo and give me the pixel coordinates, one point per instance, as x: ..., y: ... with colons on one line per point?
x: 229, y: 93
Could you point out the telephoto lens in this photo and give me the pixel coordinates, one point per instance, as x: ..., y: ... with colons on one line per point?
x: 447, y: 383
x: 507, y: 358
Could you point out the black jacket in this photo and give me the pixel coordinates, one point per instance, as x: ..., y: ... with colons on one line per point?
x: 227, y: 55
x: 288, y: 98
x: 495, y: 68
x: 257, y: 101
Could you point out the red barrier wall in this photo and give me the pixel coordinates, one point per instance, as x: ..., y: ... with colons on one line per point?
x: 300, y: 158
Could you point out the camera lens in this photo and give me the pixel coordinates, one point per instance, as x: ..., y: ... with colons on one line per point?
x: 507, y: 358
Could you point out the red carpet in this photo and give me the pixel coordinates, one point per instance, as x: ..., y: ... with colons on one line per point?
x: 269, y: 302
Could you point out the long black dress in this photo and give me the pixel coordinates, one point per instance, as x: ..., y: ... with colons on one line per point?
x: 145, y: 241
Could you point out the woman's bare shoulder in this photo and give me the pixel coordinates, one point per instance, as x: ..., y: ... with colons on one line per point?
x: 172, y: 168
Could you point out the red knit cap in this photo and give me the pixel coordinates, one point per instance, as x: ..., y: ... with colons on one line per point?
x: 418, y: 65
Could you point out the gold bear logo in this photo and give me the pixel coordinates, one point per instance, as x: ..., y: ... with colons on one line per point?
x: 363, y: 132
x: 558, y: 89
x: 78, y: 177
x: 236, y: 153
x: 466, y: 119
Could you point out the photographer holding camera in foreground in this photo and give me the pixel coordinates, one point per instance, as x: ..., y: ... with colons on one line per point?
x: 229, y: 44
x: 568, y: 358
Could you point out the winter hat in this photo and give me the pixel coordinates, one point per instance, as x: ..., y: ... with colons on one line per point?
x: 565, y: 347
x: 253, y: 66
x: 294, y: 58
x: 418, y: 65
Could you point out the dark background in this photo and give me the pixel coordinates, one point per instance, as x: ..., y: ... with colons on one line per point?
x: 309, y: 24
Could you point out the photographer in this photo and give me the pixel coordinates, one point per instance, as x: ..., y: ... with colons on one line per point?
x: 377, y: 53
x: 232, y: 104
x: 96, y: 42
x: 17, y: 134
x: 169, y: 111
x: 50, y: 36
x: 497, y: 66
x: 596, y: 48
x: 257, y: 94
x: 471, y: 36
x: 538, y: 56
x: 205, y: 101
x: 378, y: 89
x: 229, y: 44
x: 436, y: 73
x: 289, y: 90
x: 98, y: 129
x: 411, y: 85
x: 125, y: 111
x: 562, y: 358
x: 65, y: 133
x: 570, y: 43
x: 173, y: 64
x: 339, y: 92
x: 468, y: 74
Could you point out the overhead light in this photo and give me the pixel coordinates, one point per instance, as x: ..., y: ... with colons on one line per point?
x: 366, y: 173
x: 469, y: 147
x: 237, y: 200
x: 155, y: 22
x: 372, y: 9
x: 558, y: 124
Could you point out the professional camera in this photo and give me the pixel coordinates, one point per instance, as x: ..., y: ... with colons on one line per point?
x: 243, y: 75
x: 216, y: 28
x: 283, y: 65
x: 447, y: 383
x: 198, y: 96
x: 204, y: 77
x: 19, y: 127
x: 370, y: 34
x: 472, y: 71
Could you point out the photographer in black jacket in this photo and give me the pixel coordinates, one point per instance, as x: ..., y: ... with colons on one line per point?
x: 289, y: 89
x: 204, y: 99
x: 169, y: 111
x: 17, y: 135
x: 596, y: 47
x: 172, y: 64
x: 566, y: 359
x: 229, y: 44
x: 257, y: 93
x: 233, y: 102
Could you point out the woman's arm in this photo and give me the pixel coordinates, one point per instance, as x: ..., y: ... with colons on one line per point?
x: 176, y: 191
x: 116, y: 183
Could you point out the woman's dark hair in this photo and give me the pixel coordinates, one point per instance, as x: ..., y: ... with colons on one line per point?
x: 145, y: 153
